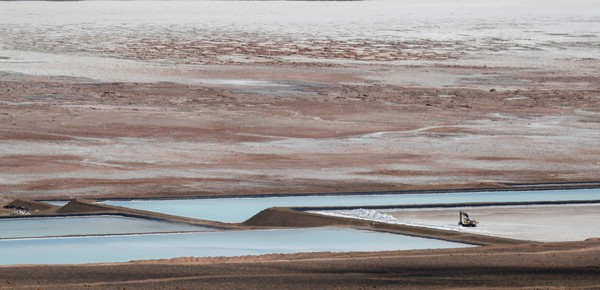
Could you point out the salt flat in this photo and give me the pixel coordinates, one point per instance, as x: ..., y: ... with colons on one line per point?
x: 535, y: 223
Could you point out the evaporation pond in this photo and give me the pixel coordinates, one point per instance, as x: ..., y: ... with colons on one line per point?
x: 33, y: 227
x: 102, y: 249
x: 236, y: 210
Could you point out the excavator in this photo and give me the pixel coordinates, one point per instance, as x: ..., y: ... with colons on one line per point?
x: 465, y: 221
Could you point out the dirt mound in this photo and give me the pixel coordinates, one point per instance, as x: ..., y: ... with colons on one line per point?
x: 77, y: 206
x: 285, y: 217
x: 28, y: 205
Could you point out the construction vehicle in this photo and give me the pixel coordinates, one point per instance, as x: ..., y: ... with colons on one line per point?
x: 465, y: 221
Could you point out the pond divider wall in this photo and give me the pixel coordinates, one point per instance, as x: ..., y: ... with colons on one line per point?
x: 291, y: 218
x: 297, y: 217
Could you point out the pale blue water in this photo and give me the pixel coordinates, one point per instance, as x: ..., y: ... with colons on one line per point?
x: 207, y: 244
x: 87, y: 225
x: 236, y: 210
x: 56, y: 202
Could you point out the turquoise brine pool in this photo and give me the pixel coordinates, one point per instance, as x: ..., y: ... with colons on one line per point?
x: 235, y: 210
x: 81, y: 250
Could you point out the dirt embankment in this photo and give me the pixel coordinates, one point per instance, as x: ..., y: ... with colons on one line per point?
x: 285, y: 217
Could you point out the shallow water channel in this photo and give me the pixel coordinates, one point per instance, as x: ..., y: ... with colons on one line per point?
x: 236, y: 210
x: 77, y: 250
x: 36, y: 227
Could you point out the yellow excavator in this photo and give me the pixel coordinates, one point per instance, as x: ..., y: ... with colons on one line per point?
x: 465, y: 221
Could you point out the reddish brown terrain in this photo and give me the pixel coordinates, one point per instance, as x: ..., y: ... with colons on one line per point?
x: 64, y: 138
x: 111, y: 100
x: 195, y: 99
